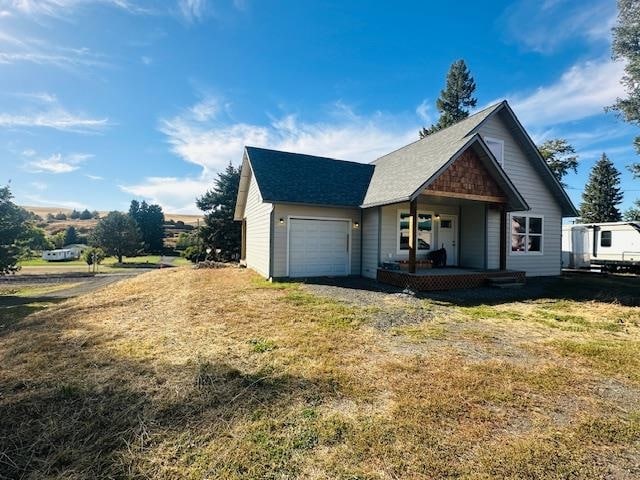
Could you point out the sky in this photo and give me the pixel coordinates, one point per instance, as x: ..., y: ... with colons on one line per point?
x: 103, y: 101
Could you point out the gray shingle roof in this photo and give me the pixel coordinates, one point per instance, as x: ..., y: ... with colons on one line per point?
x: 297, y: 178
x: 399, y: 174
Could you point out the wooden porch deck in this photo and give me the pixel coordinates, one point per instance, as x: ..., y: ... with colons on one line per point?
x: 448, y: 278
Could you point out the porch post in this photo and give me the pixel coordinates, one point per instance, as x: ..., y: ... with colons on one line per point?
x: 503, y: 238
x: 413, y: 235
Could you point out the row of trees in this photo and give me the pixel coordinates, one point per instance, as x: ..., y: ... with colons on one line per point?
x: 118, y: 234
x: 74, y: 215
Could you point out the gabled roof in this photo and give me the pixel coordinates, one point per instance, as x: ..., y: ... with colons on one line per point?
x: 402, y: 174
x: 399, y: 176
x: 285, y: 177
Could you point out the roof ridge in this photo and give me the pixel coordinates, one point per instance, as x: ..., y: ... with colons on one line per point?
x: 306, y: 155
x: 435, y: 134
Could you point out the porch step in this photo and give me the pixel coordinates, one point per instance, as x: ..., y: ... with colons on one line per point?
x: 505, y: 281
x: 509, y: 285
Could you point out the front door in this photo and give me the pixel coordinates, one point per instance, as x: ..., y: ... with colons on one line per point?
x: 448, y: 237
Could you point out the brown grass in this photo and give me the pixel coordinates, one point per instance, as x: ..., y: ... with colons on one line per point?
x: 216, y: 374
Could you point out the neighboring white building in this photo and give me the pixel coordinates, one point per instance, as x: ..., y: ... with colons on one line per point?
x: 606, y: 245
x: 70, y: 252
x: 58, y: 255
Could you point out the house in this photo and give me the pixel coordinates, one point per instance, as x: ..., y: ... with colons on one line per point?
x: 69, y: 252
x: 479, y: 189
x: 58, y: 255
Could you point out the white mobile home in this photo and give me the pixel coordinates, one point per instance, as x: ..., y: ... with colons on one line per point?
x: 59, y: 255
x: 611, y: 246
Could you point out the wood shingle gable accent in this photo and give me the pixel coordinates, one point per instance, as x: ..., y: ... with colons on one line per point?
x: 467, y: 178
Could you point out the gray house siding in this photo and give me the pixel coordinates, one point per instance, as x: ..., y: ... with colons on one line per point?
x: 389, y: 227
x: 370, y: 243
x: 258, y: 219
x: 541, y: 201
x: 280, y: 232
x: 472, y: 238
x: 493, y: 238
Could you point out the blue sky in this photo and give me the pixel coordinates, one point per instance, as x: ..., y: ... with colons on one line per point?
x: 102, y: 101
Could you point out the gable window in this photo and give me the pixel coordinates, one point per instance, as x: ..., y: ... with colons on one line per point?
x: 526, y: 234
x: 425, y: 232
x: 605, y: 238
x: 497, y: 148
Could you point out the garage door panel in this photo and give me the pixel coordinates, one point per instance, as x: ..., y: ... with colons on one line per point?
x: 318, y: 248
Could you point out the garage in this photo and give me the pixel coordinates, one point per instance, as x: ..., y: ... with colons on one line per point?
x: 319, y: 247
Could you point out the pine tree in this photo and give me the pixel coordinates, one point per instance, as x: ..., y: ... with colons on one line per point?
x: 560, y: 157
x: 12, y: 226
x: 626, y: 46
x: 70, y: 235
x: 456, y: 98
x: 220, y: 231
x: 150, y: 221
x: 633, y: 213
x: 602, y: 194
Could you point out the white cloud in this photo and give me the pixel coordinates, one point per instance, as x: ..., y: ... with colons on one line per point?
x: 176, y: 195
x: 193, y: 10
x: 14, y: 49
x: 200, y: 137
x: 46, y: 112
x: 58, y: 163
x: 582, y: 91
x: 93, y: 177
x: 423, y: 111
x: 34, y: 200
x: 57, y: 8
x: 544, y: 27
x: 39, y: 185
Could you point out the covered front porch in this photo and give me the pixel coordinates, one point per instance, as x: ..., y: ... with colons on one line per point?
x: 453, y: 232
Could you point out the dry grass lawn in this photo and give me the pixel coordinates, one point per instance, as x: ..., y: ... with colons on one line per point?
x: 216, y: 374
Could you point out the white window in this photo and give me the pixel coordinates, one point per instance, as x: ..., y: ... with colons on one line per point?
x: 425, y: 230
x: 497, y: 148
x: 526, y: 234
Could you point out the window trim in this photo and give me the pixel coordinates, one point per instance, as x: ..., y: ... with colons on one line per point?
x: 526, y: 234
x: 501, y: 142
x: 406, y: 210
x: 610, y: 232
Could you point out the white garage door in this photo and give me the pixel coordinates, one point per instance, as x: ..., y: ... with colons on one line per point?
x: 318, y: 248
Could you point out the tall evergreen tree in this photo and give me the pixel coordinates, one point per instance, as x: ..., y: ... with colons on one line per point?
x: 70, y: 235
x: 456, y: 98
x: 602, y: 194
x: 150, y: 221
x: 220, y: 231
x: 560, y: 156
x: 626, y: 47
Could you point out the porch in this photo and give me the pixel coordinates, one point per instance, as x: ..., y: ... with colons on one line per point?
x: 448, y: 278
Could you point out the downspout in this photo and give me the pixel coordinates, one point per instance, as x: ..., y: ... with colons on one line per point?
x: 272, y: 227
x: 361, y: 241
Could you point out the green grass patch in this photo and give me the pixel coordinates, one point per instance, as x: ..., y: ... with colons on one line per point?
x: 620, y: 357
x: 421, y: 333
x: 262, y: 345
x: 484, y: 312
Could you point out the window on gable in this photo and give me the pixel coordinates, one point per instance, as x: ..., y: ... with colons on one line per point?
x: 497, y: 148
x: 526, y: 234
x: 424, y: 230
x: 605, y: 238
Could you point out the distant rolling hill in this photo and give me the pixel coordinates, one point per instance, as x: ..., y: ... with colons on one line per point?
x: 43, y: 211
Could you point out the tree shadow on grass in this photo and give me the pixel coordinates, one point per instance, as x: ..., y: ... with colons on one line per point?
x: 87, y: 414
